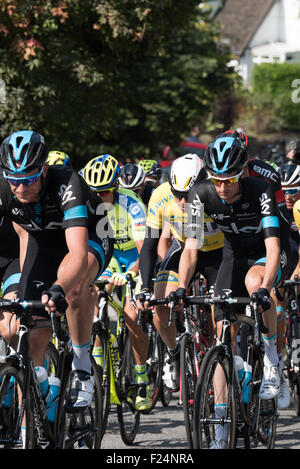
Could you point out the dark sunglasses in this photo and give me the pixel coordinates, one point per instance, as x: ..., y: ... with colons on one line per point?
x: 27, y: 181
x: 179, y: 195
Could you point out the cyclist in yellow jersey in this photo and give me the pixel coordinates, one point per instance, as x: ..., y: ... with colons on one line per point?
x: 168, y: 204
x: 127, y: 216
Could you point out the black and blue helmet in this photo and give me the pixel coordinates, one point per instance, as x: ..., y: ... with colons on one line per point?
x: 23, y: 151
x: 226, y: 155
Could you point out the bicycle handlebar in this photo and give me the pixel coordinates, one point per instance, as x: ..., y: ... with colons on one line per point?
x: 17, y: 305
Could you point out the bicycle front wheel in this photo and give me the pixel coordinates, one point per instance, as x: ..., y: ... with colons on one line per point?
x: 188, y: 375
x: 15, y: 409
x: 128, y: 416
x: 213, y: 388
x: 82, y: 429
x: 155, y: 366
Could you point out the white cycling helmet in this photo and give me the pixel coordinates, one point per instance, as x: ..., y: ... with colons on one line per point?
x: 289, y: 174
x: 185, y: 171
x: 132, y: 176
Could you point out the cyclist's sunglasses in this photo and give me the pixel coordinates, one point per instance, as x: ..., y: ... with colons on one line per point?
x: 292, y: 191
x: 27, y: 180
x: 228, y: 181
x: 179, y: 195
x: 105, y: 191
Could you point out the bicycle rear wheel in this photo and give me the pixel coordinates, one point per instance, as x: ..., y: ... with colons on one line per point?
x: 188, y: 375
x: 14, y: 398
x: 128, y: 416
x: 208, y: 392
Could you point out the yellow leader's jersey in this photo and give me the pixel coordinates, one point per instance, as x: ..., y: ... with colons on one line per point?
x: 163, y: 208
x: 296, y: 213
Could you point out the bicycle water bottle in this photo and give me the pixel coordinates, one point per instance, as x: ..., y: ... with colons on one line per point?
x: 8, y: 396
x: 239, y: 365
x: 246, y: 384
x: 43, y: 381
x: 54, y: 384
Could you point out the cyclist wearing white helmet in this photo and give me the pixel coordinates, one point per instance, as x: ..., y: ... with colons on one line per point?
x: 132, y: 176
x: 167, y: 204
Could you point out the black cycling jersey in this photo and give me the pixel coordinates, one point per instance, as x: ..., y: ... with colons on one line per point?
x: 259, y: 168
x: 9, y: 245
x: 247, y: 222
x: 65, y: 201
x: 9, y: 257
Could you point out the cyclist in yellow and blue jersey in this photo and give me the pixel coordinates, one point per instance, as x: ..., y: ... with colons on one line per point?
x: 168, y: 204
x: 127, y: 216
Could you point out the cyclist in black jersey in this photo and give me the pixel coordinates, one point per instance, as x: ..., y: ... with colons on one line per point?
x: 61, y: 249
x: 256, y: 246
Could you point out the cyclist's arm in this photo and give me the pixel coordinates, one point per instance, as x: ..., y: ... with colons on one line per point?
x: 148, y: 256
x: 23, y: 242
x: 75, y: 262
x: 164, y: 242
x: 188, y: 262
x: 135, y: 267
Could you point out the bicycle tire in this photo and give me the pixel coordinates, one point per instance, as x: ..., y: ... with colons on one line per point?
x: 165, y: 393
x: 87, y: 423
x: 106, y: 378
x: 266, y: 422
x: 204, y: 430
x: 188, y: 378
x: 154, y: 367
x: 128, y: 416
x: 12, y: 383
x: 262, y: 428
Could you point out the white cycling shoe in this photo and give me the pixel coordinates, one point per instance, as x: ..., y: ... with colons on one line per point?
x: 284, y: 396
x: 218, y: 444
x: 81, y: 391
x: 270, y: 384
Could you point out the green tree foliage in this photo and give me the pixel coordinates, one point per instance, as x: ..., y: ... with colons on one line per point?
x: 118, y: 76
x: 274, y: 96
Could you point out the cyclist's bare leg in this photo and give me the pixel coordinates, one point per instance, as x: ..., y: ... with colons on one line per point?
x: 253, y: 282
x: 81, y: 303
x: 138, y: 339
x: 8, y: 323
x: 167, y: 333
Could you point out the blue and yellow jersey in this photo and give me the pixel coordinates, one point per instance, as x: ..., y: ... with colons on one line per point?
x: 162, y: 207
x: 128, y: 219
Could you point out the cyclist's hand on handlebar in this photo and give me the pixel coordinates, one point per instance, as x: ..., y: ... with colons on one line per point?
x: 143, y: 298
x: 54, y: 300
x: 180, y: 294
x: 119, y: 279
x: 262, y: 297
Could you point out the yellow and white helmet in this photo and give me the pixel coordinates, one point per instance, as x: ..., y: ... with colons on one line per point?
x: 185, y: 171
x: 101, y: 172
x: 58, y: 158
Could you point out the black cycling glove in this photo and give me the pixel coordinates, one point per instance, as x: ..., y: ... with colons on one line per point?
x: 262, y: 297
x: 180, y: 293
x: 57, y: 295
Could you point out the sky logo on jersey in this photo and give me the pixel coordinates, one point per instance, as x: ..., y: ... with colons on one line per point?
x: 264, y: 202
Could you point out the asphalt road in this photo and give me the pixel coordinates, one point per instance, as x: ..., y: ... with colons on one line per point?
x: 164, y: 429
